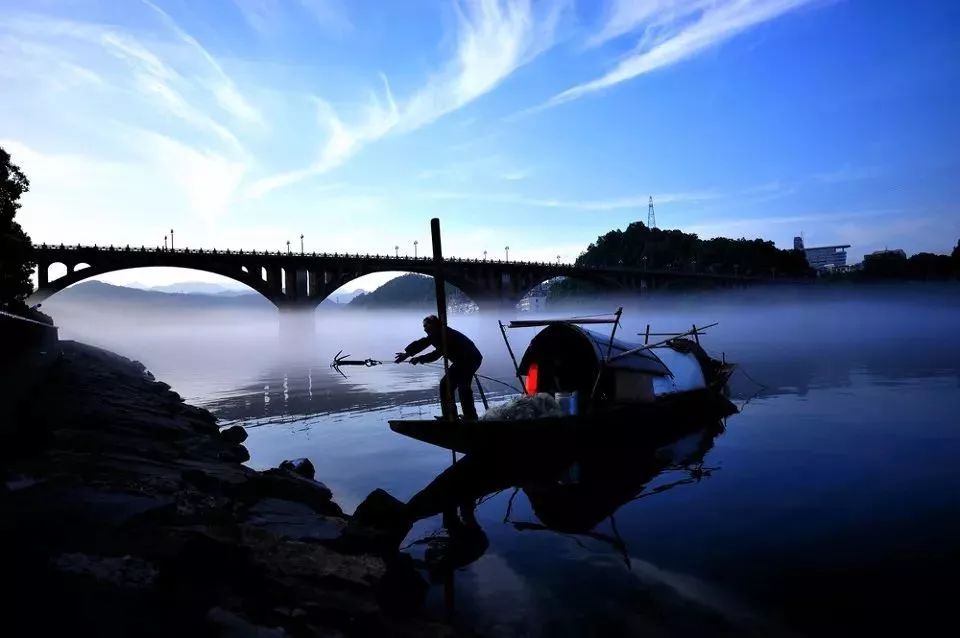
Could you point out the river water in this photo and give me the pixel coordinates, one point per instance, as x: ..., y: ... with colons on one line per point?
x: 829, y: 504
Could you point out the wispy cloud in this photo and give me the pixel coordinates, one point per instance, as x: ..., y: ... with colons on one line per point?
x: 785, y: 226
x: 221, y: 85
x: 268, y: 16
x: 606, y: 204
x: 517, y: 174
x: 671, y: 32
x: 118, y: 60
x: 626, y: 16
x: 207, y: 179
x: 147, y: 87
x: 153, y: 78
x: 484, y: 167
x: 330, y: 14
x: 847, y: 173
x: 494, y: 38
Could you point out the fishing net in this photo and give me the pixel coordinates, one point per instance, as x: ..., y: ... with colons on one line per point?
x: 537, y: 406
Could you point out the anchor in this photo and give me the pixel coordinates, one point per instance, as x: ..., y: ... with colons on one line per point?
x: 341, y: 360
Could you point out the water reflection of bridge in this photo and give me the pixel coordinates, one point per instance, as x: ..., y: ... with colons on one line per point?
x: 303, y: 280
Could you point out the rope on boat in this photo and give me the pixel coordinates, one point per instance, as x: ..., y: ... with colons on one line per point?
x: 762, y: 386
x: 485, y: 378
x: 341, y: 360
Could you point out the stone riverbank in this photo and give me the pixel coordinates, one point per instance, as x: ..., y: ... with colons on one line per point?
x: 126, y: 512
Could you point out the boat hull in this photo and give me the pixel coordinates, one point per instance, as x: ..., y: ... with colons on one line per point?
x: 649, y: 423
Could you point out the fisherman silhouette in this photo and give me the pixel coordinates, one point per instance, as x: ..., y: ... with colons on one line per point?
x: 464, y: 359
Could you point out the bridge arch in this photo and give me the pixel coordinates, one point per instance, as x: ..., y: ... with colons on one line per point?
x: 78, y: 274
x: 347, y: 279
x: 56, y: 270
x: 576, y: 283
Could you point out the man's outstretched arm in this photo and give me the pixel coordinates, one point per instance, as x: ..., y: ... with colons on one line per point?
x: 427, y: 358
x: 412, y: 349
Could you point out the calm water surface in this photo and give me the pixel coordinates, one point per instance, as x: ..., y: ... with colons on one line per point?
x: 829, y: 504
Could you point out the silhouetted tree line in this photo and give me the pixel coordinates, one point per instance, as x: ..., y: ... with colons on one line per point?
x: 15, y: 246
x: 656, y: 249
x: 894, y: 264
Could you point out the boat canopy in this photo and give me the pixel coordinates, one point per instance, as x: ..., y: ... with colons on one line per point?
x: 571, y: 356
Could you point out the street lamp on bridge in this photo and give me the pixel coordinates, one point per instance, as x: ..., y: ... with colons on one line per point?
x: 171, y: 239
x: 415, y: 248
x: 507, y: 250
x: 558, y: 260
x: 396, y: 252
x: 484, y: 255
x: 164, y: 242
x: 288, y: 246
x: 301, y: 244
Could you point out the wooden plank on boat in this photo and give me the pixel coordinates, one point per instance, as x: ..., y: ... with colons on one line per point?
x: 473, y: 436
x: 535, y: 323
x: 638, y: 421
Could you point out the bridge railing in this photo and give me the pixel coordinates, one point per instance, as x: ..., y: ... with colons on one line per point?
x: 674, y: 270
x: 669, y: 270
x: 312, y: 255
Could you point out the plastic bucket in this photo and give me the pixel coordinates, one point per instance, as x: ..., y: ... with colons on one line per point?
x: 568, y: 402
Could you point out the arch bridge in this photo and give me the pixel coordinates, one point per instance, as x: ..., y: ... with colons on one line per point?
x: 302, y: 280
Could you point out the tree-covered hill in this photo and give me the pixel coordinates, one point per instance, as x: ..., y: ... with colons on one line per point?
x: 410, y: 291
x: 641, y: 247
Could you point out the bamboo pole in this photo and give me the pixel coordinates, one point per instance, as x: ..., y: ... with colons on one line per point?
x: 516, y: 368
x: 659, y: 343
x: 483, y: 396
x: 616, y: 323
x: 442, y: 315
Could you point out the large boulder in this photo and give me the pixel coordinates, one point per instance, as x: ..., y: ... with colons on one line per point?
x: 231, y: 625
x: 380, y: 509
x: 303, y: 467
x: 234, y: 434
x: 378, y: 525
x: 294, y: 520
x: 234, y: 454
x: 288, y: 485
x: 121, y: 571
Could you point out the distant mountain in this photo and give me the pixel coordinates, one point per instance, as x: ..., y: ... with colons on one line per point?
x: 346, y: 297
x: 203, y: 287
x: 408, y: 291
x: 92, y: 292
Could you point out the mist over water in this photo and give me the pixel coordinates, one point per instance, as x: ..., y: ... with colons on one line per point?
x: 840, y: 467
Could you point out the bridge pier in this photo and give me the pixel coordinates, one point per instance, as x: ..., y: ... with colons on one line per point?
x: 296, y: 323
x: 496, y: 304
x: 273, y: 279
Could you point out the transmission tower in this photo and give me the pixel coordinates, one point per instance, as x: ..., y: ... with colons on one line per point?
x: 651, y: 217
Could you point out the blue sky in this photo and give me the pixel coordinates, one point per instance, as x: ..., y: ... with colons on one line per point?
x: 244, y: 123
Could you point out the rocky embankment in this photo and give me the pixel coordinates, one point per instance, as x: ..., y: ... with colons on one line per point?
x: 126, y: 512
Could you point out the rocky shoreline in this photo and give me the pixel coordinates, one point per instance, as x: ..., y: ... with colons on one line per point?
x: 127, y: 512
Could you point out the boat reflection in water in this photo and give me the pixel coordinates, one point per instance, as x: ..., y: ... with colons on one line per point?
x: 572, y: 490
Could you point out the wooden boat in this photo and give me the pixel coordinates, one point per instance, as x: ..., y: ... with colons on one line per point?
x: 620, y: 389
